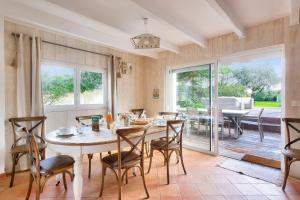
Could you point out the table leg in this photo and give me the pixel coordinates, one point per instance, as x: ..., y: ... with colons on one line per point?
x: 77, y: 183
x: 236, y: 130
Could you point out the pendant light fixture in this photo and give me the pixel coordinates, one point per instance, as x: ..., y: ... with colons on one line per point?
x: 146, y: 40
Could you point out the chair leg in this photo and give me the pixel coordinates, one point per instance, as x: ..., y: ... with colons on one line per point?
x: 168, y: 170
x: 177, y: 156
x: 260, y: 133
x: 181, y: 157
x: 120, y: 184
x: 38, y: 190
x: 126, y: 178
x: 150, y: 163
x: 286, y: 171
x: 143, y: 178
x: 102, y: 180
x: 222, y: 131
x: 64, y: 180
x: 90, y: 156
x: 12, y: 178
x: 229, y: 128
x: 147, y: 148
x: 29, y: 186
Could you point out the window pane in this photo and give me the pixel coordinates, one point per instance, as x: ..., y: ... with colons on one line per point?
x: 91, y: 88
x: 58, y: 84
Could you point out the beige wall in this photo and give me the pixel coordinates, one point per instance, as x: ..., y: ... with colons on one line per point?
x: 130, y: 86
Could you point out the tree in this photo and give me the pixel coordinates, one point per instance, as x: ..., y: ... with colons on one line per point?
x: 56, y: 87
x: 256, y: 78
x: 59, y: 86
x: 90, y: 81
x: 193, y: 88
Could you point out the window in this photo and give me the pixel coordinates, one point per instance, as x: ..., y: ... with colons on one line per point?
x: 58, y: 84
x: 70, y: 86
x: 91, y: 87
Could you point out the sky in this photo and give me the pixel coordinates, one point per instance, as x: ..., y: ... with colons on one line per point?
x: 275, y: 63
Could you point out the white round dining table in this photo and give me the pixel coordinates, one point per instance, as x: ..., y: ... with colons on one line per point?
x: 89, y: 142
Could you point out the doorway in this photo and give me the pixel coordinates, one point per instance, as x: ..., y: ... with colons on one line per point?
x: 253, y: 83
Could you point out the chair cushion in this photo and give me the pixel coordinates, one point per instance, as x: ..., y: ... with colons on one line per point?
x: 54, y: 164
x: 24, y: 149
x: 130, y: 159
x: 161, y: 144
x: 291, y: 153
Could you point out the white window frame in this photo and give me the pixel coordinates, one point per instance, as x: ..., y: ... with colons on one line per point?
x: 170, y: 86
x: 77, y: 69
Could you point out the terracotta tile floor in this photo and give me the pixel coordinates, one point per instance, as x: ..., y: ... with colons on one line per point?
x: 204, y: 181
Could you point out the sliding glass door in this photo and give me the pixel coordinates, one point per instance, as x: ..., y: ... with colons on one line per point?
x: 192, y: 95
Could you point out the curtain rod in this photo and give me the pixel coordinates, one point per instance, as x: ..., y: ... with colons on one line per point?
x: 66, y: 46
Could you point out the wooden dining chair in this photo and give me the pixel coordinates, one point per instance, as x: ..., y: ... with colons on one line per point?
x: 169, y: 144
x: 43, y: 170
x: 139, y: 112
x: 165, y: 115
x: 169, y: 115
x: 125, y: 160
x: 33, y: 125
x: 291, y: 154
x: 86, y: 121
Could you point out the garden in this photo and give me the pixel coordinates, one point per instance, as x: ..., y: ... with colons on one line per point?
x: 261, y: 83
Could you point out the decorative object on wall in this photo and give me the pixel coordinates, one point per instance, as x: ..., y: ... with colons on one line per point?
x: 155, y: 94
x: 146, y: 40
x: 123, y: 67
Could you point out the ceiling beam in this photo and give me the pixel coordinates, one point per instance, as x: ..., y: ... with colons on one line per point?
x: 86, y: 21
x: 83, y: 28
x: 294, y: 12
x: 183, y: 28
x: 224, y: 11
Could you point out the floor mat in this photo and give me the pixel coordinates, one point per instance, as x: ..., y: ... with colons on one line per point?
x: 257, y: 171
x: 261, y: 161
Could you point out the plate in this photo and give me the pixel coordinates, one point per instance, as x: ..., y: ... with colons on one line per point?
x: 65, y: 135
x: 64, y: 132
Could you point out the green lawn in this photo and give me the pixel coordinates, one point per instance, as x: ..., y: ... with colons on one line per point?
x: 270, y: 104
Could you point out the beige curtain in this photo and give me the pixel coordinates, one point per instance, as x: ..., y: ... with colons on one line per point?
x: 112, y: 87
x: 36, y: 81
x: 29, y: 84
x: 29, y: 89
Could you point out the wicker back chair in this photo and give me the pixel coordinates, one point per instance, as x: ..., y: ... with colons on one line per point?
x: 169, y: 144
x: 42, y: 170
x: 134, y: 137
x: 22, y: 126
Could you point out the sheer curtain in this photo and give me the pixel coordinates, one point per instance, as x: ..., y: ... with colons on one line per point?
x: 29, y: 86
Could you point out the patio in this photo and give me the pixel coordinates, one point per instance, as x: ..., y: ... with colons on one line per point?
x: 248, y: 143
